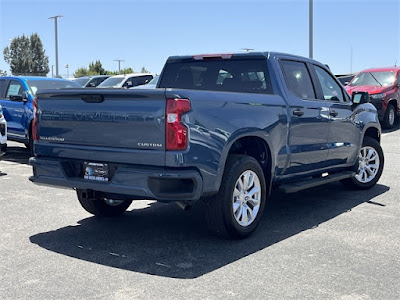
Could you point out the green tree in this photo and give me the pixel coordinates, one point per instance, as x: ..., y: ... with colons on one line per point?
x: 82, y: 71
x: 3, y: 73
x: 144, y: 70
x: 40, y: 62
x: 123, y: 71
x: 97, y: 68
x: 127, y: 71
x: 112, y: 72
x: 26, y: 56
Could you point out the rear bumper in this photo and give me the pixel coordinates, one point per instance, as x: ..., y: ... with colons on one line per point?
x: 163, y: 184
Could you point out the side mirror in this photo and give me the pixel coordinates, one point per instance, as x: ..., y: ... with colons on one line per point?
x: 360, y: 97
x: 16, y: 98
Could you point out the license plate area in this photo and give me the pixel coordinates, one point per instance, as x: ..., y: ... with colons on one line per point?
x: 96, y: 171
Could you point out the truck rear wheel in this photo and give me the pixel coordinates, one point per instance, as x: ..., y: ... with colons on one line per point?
x: 102, y: 207
x: 237, y: 208
x: 371, y: 161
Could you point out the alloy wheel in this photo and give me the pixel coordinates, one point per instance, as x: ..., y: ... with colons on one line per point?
x: 368, y: 164
x: 246, y: 198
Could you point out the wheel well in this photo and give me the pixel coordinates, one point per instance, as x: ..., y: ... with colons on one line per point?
x: 373, y: 133
x: 393, y: 102
x: 255, y: 147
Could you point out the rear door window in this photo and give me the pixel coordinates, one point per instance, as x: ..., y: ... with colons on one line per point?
x: 330, y: 88
x: 244, y: 76
x: 298, y: 79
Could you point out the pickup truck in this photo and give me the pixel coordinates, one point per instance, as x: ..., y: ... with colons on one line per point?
x: 16, y: 96
x: 225, y: 128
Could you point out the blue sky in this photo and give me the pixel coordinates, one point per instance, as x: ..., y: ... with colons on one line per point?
x: 145, y: 33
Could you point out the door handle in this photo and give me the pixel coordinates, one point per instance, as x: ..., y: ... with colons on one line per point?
x: 333, y: 113
x: 298, y: 112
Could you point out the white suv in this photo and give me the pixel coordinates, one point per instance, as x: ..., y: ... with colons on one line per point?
x: 3, y: 133
x: 126, y: 81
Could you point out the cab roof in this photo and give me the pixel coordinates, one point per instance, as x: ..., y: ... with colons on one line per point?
x: 249, y: 55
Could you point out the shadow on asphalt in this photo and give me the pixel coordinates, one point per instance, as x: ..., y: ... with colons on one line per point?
x: 395, y: 127
x: 16, y: 154
x: 163, y: 240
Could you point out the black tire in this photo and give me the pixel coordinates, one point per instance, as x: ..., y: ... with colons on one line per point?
x: 356, y: 183
x: 30, y: 145
x: 220, y: 208
x: 100, y: 208
x: 389, y: 119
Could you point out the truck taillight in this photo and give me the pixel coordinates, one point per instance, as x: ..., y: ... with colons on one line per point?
x: 176, y: 132
x: 35, y: 134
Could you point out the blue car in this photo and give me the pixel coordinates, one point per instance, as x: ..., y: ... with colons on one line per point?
x: 16, y: 96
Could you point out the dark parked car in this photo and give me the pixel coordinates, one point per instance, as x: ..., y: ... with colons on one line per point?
x: 345, y: 79
x: 90, y: 81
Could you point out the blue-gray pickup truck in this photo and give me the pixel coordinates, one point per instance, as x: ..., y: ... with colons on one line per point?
x: 225, y: 128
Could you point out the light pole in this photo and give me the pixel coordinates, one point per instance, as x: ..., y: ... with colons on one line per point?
x: 67, y: 67
x: 119, y: 64
x: 52, y: 72
x: 56, y: 38
x: 310, y: 28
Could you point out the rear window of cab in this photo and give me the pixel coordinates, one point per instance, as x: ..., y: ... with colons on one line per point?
x: 243, y: 76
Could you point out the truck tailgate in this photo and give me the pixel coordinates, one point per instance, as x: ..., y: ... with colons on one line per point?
x: 86, y: 122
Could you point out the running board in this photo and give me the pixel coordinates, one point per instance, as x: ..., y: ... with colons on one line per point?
x: 313, y: 182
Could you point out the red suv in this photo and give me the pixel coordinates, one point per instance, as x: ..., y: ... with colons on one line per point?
x: 383, y: 86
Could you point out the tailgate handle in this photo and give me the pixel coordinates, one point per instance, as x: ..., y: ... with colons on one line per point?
x: 92, y: 98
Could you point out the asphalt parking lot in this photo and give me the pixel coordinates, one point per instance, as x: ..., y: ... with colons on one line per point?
x: 325, y: 243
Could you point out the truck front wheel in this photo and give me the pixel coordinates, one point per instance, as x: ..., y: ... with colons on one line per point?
x: 102, y: 207
x: 236, y: 210
x: 370, y: 167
